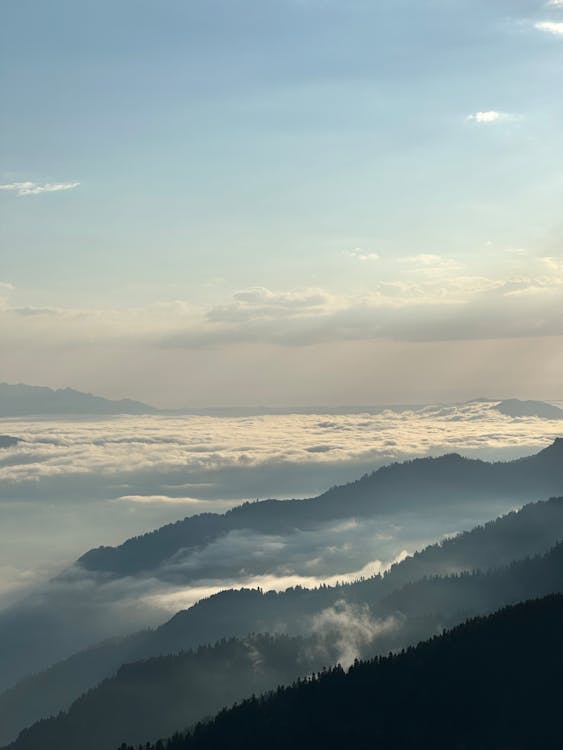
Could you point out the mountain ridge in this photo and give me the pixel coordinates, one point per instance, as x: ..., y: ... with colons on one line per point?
x: 155, y: 697
x: 20, y: 400
x: 492, y: 682
x: 529, y: 532
x: 434, y: 482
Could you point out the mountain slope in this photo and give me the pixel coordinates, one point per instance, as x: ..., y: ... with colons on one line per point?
x: 423, y: 484
x: 423, y: 606
x: 27, y: 400
x: 492, y: 683
x: 153, y: 698
x: 147, y: 699
x: 478, y: 592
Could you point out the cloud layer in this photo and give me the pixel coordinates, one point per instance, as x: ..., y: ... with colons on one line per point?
x: 74, y: 484
x: 419, y: 297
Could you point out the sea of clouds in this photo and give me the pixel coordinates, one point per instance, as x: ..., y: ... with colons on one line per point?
x: 72, y: 484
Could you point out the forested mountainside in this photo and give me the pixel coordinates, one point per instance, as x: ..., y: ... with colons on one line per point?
x: 150, y: 698
x: 492, y: 683
x: 530, y: 531
x: 173, y: 692
x: 478, y: 592
x: 421, y: 484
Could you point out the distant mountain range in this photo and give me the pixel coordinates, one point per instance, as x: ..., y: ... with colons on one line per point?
x: 7, y: 441
x: 469, y: 574
x: 515, y: 408
x: 425, y: 484
x: 26, y: 400
x: 18, y: 400
x: 491, y: 683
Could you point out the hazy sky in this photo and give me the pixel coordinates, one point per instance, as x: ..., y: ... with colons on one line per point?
x: 283, y: 201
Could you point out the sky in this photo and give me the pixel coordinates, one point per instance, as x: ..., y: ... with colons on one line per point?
x: 284, y: 202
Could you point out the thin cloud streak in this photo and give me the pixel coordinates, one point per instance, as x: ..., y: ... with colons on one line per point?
x: 35, y: 188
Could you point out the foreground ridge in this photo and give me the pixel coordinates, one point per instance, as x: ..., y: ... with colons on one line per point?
x: 492, y: 683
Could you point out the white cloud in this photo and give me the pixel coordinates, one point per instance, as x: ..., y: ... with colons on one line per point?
x: 292, y: 299
x: 431, y: 264
x: 359, y: 254
x: 516, y: 251
x: 491, y: 116
x: 555, y: 265
x: 152, y: 460
x: 35, y: 188
x: 555, y: 3
x: 550, y: 27
x: 151, y: 499
x: 423, y: 259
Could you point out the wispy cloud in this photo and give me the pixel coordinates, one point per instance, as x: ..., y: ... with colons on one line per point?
x: 551, y: 27
x: 354, y: 628
x: 492, y: 116
x: 35, y: 188
x: 430, y: 264
x: 431, y: 297
x: 359, y: 253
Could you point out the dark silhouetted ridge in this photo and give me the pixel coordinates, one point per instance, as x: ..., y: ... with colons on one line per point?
x: 493, y: 683
x: 427, y: 603
x: 150, y: 698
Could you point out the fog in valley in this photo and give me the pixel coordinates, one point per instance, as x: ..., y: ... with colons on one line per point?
x: 76, y: 483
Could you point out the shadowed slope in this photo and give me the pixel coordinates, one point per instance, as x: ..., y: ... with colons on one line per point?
x: 492, y: 683
x: 417, y: 610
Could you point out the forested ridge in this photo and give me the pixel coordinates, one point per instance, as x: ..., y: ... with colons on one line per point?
x: 493, y: 683
x: 427, y: 588
x: 422, y: 484
x: 151, y: 698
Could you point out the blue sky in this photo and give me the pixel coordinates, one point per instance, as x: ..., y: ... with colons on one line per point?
x: 203, y: 201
